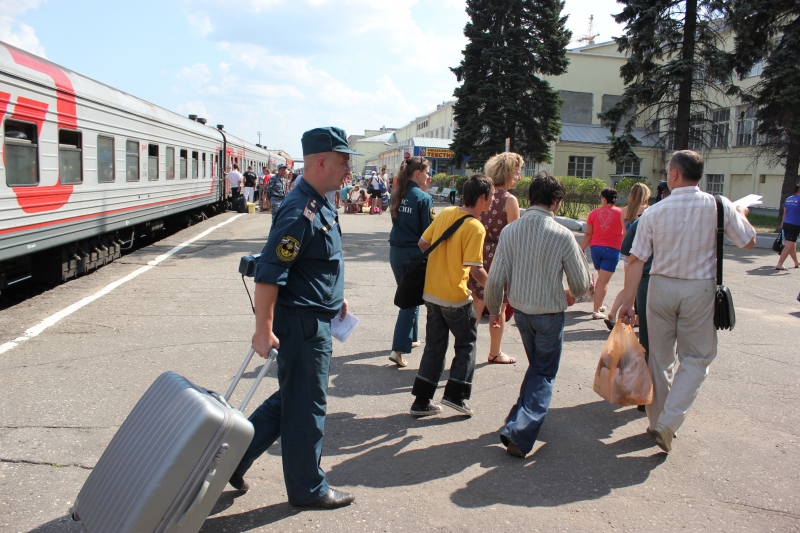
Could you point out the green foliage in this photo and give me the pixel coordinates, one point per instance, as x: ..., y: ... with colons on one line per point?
x: 442, y: 181
x: 589, y: 190
x: 510, y: 43
x: 677, y: 67
x: 626, y: 184
x: 521, y: 192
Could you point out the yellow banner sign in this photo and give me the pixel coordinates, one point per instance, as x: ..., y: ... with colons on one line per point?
x: 436, y: 153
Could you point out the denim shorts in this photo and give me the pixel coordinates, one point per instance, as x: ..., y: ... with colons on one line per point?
x: 605, y: 258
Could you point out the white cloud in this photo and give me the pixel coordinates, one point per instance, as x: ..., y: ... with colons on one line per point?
x: 196, y: 75
x: 17, y: 33
x: 201, y: 23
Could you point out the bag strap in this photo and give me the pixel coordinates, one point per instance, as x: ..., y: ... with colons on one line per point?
x: 446, y: 235
x: 720, y: 235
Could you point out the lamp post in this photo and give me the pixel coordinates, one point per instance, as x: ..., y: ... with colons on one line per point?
x: 259, y: 137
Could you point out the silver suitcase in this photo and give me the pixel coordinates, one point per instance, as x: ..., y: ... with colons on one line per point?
x: 170, y: 460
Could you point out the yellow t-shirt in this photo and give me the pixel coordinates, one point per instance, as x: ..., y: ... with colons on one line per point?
x: 448, y: 265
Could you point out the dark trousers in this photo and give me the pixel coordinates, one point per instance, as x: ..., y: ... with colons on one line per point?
x: 296, y: 412
x: 235, y: 192
x: 275, y: 205
x: 543, y: 337
x: 641, y: 304
x: 453, y: 197
x: 441, y: 321
x: 406, y: 328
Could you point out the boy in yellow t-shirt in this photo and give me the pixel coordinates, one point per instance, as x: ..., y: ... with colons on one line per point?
x: 449, y: 303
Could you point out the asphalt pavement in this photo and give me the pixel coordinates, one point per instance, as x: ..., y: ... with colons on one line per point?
x: 68, y: 385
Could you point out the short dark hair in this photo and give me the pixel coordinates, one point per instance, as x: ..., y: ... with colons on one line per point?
x: 476, y: 186
x: 545, y: 190
x: 797, y: 188
x: 610, y: 195
x: 689, y: 163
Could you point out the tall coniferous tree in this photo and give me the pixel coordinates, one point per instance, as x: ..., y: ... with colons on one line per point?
x: 768, y: 31
x: 510, y: 42
x: 676, y: 63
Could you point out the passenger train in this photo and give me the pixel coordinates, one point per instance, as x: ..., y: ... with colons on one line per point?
x: 86, y: 169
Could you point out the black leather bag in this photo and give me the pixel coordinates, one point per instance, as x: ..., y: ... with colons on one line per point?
x: 412, y: 284
x: 777, y: 245
x: 724, y: 314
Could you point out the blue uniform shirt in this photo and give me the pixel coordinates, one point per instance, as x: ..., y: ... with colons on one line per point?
x: 303, y: 255
x: 413, y: 218
x: 792, y: 209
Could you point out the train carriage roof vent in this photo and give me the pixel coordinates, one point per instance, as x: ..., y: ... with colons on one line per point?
x: 192, y: 117
x: 220, y: 127
x: 202, y: 120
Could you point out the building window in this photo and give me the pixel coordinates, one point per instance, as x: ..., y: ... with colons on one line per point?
x: 714, y: 183
x: 757, y: 69
x: 529, y: 169
x: 152, y: 162
x: 131, y: 161
x: 630, y: 168
x: 105, y: 159
x: 422, y: 125
x: 696, y: 131
x: 183, y: 155
x: 21, y: 152
x: 720, y: 127
x: 70, y: 158
x: 170, y: 163
x: 195, y: 156
x: 746, y: 127
x: 580, y: 166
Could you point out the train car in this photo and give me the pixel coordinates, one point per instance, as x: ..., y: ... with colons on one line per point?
x: 86, y: 168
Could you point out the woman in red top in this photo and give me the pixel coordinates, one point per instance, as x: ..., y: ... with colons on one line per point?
x: 604, y: 233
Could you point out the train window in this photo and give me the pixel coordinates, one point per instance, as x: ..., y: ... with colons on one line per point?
x: 195, y: 161
x: 152, y: 162
x: 204, y: 164
x: 131, y: 161
x: 70, y: 160
x: 183, y: 164
x: 105, y: 159
x: 170, y: 163
x: 21, y: 153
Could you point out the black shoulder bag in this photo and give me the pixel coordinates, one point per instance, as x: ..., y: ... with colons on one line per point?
x: 724, y: 315
x: 412, y: 284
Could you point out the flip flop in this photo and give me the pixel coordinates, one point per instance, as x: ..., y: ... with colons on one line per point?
x: 498, y: 359
x: 782, y: 268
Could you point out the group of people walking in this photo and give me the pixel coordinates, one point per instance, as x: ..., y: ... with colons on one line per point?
x: 482, y: 254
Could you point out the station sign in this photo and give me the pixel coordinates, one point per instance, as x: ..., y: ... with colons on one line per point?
x: 434, y: 153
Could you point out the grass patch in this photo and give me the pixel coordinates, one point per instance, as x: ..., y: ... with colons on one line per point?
x: 763, y: 223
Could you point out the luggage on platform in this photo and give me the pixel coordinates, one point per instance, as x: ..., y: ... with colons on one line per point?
x: 170, y: 460
x: 251, y: 208
x: 240, y: 204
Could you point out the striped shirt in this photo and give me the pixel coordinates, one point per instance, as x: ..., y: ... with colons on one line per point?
x: 680, y: 232
x: 532, y: 256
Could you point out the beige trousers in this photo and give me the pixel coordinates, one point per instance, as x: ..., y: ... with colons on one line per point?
x: 679, y: 311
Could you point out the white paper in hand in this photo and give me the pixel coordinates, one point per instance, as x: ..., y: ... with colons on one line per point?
x: 747, y: 201
x: 341, y: 328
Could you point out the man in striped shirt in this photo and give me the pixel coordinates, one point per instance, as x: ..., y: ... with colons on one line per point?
x: 532, y: 256
x: 680, y: 233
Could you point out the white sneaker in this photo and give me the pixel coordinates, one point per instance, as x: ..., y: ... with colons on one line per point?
x: 397, y: 358
x: 416, y: 344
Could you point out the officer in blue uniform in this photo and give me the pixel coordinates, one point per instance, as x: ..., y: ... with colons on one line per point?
x: 299, y: 289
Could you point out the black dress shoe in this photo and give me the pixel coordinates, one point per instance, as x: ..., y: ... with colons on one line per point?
x: 238, y: 483
x: 332, y: 499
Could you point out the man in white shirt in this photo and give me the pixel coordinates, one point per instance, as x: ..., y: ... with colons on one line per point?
x: 234, y: 181
x: 680, y: 233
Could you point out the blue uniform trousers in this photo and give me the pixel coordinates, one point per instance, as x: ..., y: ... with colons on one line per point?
x: 296, y: 412
x: 406, y: 328
x: 275, y: 205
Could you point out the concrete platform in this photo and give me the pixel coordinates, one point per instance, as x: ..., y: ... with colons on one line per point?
x: 66, y: 390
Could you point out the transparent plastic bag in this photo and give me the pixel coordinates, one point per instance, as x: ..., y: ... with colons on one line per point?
x: 622, y: 376
x: 589, y: 296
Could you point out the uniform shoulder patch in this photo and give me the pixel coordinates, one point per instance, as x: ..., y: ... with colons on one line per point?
x: 288, y: 249
x: 311, y: 209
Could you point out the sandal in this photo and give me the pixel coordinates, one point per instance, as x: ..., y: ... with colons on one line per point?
x: 598, y: 316
x: 782, y: 268
x: 502, y: 359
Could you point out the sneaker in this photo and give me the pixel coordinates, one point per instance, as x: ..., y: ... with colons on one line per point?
x: 416, y: 344
x: 460, y: 406
x: 397, y: 358
x: 663, y: 437
x: 513, y: 449
x: 425, y: 409
x: 238, y: 483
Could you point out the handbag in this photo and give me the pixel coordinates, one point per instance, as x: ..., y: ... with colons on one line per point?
x: 724, y: 315
x: 412, y: 284
x: 777, y: 245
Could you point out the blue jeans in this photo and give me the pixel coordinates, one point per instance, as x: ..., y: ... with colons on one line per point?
x: 441, y: 321
x: 543, y: 337
x: 296, y: 412
x: 406, y: 327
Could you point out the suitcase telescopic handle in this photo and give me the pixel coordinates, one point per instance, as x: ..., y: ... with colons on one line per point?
x: 273, y: 354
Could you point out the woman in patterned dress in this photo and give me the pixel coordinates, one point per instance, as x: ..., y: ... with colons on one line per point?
x: 504, y: 170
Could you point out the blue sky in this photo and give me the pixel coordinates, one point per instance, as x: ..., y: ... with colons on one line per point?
x: 275, y: 66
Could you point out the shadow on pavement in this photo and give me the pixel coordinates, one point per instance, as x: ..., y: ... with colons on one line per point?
x: 573, y: 465
x: 248, y: 520
x: 765, y: 271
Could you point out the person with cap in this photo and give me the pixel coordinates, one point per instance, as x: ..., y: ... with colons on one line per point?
x: 299, y: 289
x: 276, y: 191
x: 375, y: 182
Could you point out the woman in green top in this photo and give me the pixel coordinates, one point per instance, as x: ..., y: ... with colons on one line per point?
x: 412, y: 213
